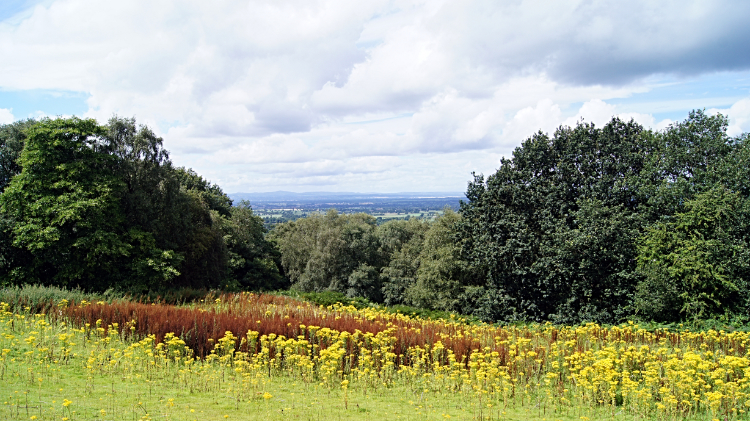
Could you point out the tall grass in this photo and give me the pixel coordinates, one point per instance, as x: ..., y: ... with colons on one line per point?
x: 570, y: 370
x: 202, y: 324
x: 40, y: 299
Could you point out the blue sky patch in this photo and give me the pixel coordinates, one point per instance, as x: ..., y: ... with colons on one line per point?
x: 10, y: 8
x: 673, y: 97
x: 36, y: 102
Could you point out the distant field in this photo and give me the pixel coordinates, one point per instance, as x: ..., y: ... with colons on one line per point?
x: 429, y: 215
x: 274, y: 208
x: 276, y: 216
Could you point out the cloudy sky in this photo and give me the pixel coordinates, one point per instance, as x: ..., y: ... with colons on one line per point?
x: 369, y: 96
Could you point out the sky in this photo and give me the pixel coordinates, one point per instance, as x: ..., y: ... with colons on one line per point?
x: 369, y: 96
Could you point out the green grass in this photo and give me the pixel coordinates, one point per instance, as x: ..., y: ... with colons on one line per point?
x: 45, y: 363
x: 101, y: 376
x: 39, y: 299
x: 114, y: 397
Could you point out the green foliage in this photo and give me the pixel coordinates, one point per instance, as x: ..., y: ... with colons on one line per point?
x: 8, y: 253
x: 254, y: 261
x: 351, y: 255
x: 550, y: 233
x: 211, y: 194
x: 576, y: 225
x: 326, y: 298
x: 40, y: 299
x: 102, y: 207
x: 442, y: 275
x: 597, y: 252
x: 693, y: 256
x: 64, y: 206
x: 321, y: 252
x: 684, y: 160
x: 365, y: 281
x: 400, y: 262
x: 12, y: 138
x: 694, y: 261
x: 425, y: 313
x: 400, y: 245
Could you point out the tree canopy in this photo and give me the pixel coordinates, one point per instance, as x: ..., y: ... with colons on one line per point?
x: 558, y: 232
x: 103, y: 207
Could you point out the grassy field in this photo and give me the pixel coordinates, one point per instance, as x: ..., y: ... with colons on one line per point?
x: 247, y: 357
x: 427, y: 215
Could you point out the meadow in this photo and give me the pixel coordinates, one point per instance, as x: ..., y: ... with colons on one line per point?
x: 248, y: 356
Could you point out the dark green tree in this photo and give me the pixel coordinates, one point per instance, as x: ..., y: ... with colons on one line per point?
x: 442, y: 275
x: 64, y: 206
x: 211, y: 194
x: 695, y: 262
x: 150, y: 203
x: 555, y: 231
x: 12, y: 139
x: 185, y: 225
x: 102, y: 207
x: 535, y: 230
x: 697, y: 184
x: 254, y: 262
x: 685, y: 159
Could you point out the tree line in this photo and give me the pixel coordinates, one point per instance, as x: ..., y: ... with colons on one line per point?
x: 586, y: 224
x: 103, y: 207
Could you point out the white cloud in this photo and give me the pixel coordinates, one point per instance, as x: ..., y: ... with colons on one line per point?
x: 334, y: 93
x: 545, y: 116
x: 599, y: 112
x: 6, y: 116
x: 739, y: 117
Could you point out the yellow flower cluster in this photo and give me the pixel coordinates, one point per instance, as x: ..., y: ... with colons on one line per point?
x: 557, y: 369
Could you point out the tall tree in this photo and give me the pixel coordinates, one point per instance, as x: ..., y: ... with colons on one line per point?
x: 12, y: 139
x: 685, y: 159
x: 556, y: 230
x: 533, y: 229
x: 442, y: 276
x: 64, y: 206
x: 102, y: 207
x: 254, y: 262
